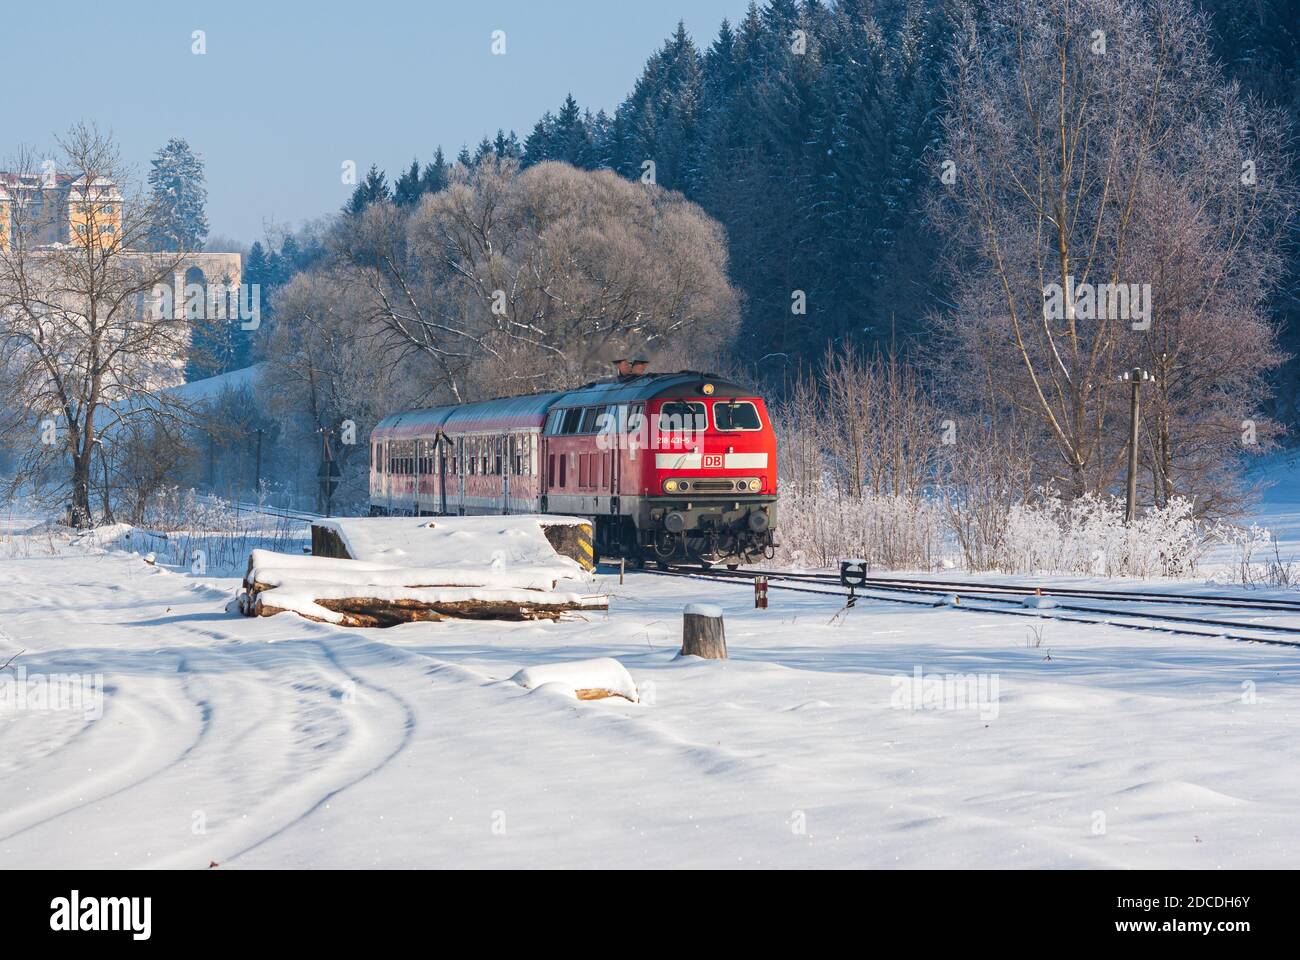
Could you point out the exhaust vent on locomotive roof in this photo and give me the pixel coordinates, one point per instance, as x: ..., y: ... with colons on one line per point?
x: 631, y: 368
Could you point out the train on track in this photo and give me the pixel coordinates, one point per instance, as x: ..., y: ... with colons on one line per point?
x: 670, y: 467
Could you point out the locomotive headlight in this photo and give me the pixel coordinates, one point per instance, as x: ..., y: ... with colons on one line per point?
x: 672, y: 486
x: 755, y: 485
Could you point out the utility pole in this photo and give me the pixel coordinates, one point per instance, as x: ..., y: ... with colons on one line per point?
x: 1135, y: 378
x: 257, y: 479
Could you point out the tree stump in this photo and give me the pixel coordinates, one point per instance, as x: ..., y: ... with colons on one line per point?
x: 702, y: 632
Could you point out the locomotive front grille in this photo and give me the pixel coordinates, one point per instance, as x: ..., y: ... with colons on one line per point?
x: 713, y: 486
x: 675, y: 485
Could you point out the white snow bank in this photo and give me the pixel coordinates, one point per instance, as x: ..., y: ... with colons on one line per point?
x: 279, y: 569
x: 476, y: 547
x: 580, y: 676
x: 1039, y: 602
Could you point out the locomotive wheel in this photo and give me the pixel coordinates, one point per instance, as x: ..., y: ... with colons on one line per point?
x: 733, y: 566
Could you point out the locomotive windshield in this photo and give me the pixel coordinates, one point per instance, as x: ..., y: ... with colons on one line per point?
x: 736, y: 415
x: 682, y: 417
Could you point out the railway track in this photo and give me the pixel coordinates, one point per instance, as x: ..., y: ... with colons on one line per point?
x: 1010, y: 599
x: 249, y: 507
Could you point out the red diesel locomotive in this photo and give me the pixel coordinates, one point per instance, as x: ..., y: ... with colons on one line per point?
x: 671, y: 467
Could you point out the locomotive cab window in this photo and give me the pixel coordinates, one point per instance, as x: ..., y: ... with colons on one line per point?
x: 682, y: 417
x: 736, y: 415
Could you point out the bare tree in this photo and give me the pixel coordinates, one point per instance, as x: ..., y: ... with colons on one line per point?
x: 82, y: 348
x: 327, y: 363
x: 538, y: 278
x: 1097, y: 163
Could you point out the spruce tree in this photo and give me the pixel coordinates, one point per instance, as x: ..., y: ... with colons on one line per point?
x: 406, y: 192
x: 373, y: 188
x: 177, y: 186
x: 434, y: 177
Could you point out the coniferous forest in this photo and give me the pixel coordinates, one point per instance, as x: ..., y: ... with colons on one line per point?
x: 813, y: 132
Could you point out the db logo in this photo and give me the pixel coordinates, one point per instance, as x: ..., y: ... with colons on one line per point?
x: 713, y: 460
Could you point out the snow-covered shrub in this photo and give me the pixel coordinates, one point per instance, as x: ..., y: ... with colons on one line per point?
x: 819, y: 528
x: 1048, y: 534
x: 1088, y: 536
x: 208, y: 535
x: 1255, y: 557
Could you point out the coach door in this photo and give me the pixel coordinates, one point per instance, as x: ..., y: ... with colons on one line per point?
x: 440, y: 452
x: 610, y: 452
x: 505, y: 458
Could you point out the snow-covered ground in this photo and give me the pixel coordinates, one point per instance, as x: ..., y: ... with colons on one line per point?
x: 281, y: 742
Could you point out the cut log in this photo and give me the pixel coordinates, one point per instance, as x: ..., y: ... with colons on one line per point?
x: 370, y: 594
x: 326, y: 542
x: 259, y: 601
x: 703, y: 634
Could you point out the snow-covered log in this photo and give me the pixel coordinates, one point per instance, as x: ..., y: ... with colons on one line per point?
x: 584, y: 679
x: 358, y: 593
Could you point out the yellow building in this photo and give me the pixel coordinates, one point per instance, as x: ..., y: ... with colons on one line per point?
x: 4, y: 216
x: 55, y: 209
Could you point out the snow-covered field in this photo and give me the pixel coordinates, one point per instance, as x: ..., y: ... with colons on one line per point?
x: 279, y: 742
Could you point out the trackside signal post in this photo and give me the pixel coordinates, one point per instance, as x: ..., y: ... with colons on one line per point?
x: 853, y: 574
x: 329, y: 472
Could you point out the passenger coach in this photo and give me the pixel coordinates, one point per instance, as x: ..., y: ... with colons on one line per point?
x: 670, y: 467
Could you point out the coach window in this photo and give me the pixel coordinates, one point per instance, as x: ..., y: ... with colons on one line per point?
x: 572, y: 418
x: 590, y: 419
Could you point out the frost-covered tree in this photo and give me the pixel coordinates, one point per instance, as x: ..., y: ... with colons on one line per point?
x: 535, y: 279
x: 1098, y: 157
x: 178, y: 186
x: 83, y: 349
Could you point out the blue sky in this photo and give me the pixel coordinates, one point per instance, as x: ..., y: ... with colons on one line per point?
x: 289, y: 90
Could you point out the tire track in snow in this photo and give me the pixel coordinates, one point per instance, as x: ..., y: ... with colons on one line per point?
x: 364, y: 740
x: 204, y: 711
